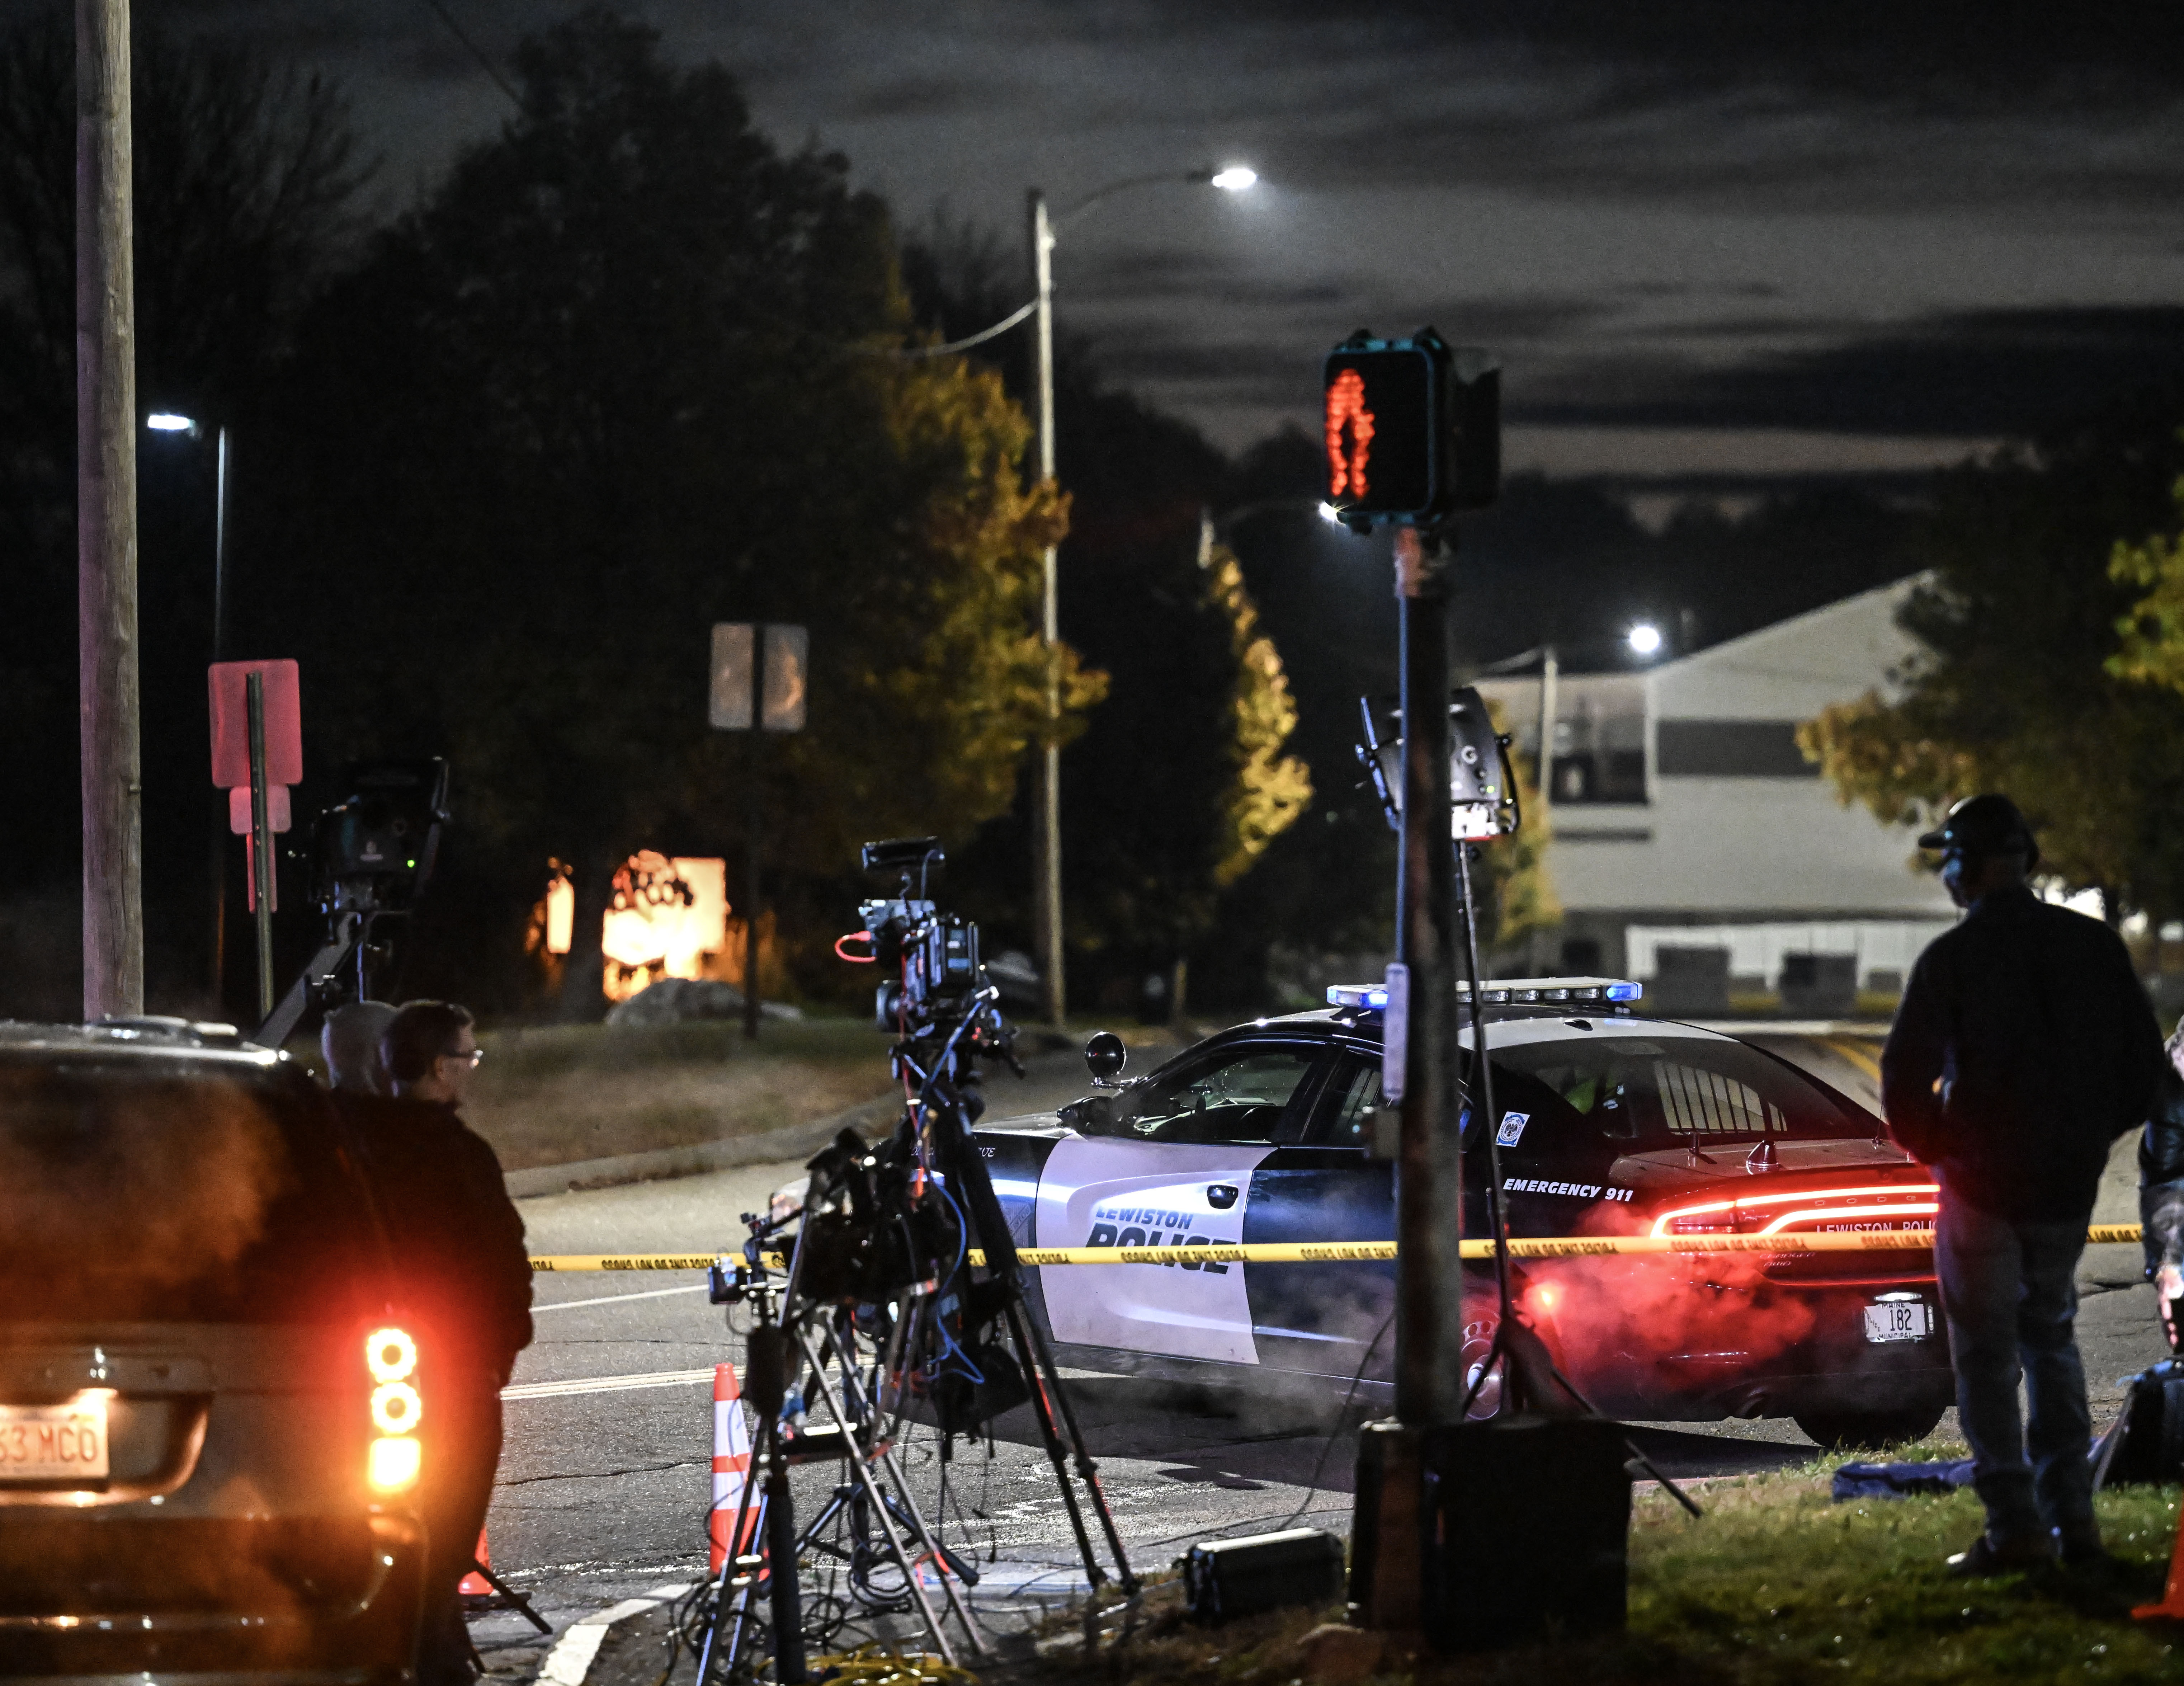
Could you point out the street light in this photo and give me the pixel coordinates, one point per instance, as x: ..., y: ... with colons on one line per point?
x: 167, y: 421
x: 1644, y: 638
x: 1231, y: 178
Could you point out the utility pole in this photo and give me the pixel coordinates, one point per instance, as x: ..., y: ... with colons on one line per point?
x: 106, y: 518
x: 1047, y: 823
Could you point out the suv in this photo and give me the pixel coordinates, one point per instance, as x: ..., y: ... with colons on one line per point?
x: 208, y: 1416
x: 1609, y: 1124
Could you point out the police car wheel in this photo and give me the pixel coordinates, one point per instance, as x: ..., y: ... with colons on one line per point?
x: 1868, y: 1431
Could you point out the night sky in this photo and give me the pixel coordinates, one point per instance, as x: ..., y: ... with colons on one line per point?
x: 1710, y: 240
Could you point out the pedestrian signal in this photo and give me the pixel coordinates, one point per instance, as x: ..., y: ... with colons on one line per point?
x: 1412, y: 429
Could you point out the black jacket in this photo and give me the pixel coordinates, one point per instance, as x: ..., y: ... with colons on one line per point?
x: 461, y: 1270
x: 2023, y: 1048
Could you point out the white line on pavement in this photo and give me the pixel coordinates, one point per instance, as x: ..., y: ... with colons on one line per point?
x: 612, y: 1299
x: 604, y: 1384
x: 571, y: 1657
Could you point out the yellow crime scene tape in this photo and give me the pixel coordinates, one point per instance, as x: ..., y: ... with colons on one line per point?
x: 1352, y: 1252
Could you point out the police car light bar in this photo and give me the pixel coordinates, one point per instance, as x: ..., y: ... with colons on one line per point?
x: 1501, y: 992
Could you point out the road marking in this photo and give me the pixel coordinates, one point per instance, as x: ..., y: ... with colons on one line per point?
x: 611, y: 1299
x: 605, y: 1384
x: 573, y: 1653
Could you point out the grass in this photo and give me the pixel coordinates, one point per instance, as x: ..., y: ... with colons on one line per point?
x: 562, y: 1093
x: 1776, y: 1584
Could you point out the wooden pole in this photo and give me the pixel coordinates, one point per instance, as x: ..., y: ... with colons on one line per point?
x: 106, y: 519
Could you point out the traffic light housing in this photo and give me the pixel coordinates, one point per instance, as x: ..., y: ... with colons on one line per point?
x: 1413, y: 429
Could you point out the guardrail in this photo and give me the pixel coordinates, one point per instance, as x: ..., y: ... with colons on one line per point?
x: 1351, y: 1252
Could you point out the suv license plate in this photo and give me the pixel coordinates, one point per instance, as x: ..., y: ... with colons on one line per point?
x: 51, y: 1444
x: 1911, y: 1319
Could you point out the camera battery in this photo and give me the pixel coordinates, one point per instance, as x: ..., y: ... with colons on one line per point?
x: 1225, y: 1578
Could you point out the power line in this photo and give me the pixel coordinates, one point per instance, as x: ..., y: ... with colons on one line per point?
x: 476, y: 53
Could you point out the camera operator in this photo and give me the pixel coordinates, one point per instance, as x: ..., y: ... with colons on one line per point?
x: 464, y: 1279
x: 2023, y: 1048
x: 2161, y: 1193
x: 350, y: 1041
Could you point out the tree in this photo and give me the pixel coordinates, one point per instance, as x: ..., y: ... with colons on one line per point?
x: 2019, y: 684
x: 1183, y: 777
x: 246, y: 174
x: 627, y: 372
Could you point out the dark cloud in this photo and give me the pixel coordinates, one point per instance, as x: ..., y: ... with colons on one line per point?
x: 1976, y: 374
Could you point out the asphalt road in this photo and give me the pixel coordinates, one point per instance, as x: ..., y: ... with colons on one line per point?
x: 604, y: 1483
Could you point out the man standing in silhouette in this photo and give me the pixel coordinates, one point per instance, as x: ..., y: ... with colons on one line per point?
x: 2023, y: 1048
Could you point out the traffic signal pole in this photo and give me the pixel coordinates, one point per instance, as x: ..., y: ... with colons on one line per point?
x: 1429, y: 1387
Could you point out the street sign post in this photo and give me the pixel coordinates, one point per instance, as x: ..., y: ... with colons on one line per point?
x: 257, y: 754
x: 759, y: 676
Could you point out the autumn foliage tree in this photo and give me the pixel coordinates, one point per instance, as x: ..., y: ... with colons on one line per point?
x: 2034, y: 650
x: 631, y: 371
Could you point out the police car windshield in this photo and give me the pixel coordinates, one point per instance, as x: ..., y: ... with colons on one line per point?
x: 1641, y: 1094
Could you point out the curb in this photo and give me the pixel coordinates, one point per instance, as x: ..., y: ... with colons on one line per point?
x: 795, y: 1141
x: 570, y: 1659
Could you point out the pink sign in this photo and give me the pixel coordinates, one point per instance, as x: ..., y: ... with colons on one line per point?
x: 231, y: 723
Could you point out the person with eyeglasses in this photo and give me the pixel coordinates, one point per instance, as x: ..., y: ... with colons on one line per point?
x: 464, y: 1278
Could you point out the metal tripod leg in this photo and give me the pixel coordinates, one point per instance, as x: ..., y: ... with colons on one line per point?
x: 927, y: 1537
x: 1087, y: 1470
x: 863, y: 1473
x: 1046, y: 1391
x: 505, y: 1597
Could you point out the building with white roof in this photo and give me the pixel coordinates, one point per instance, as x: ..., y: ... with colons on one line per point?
x: 1685, y: 818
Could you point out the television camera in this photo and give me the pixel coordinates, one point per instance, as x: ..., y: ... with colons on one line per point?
x: 902, y: 1290
x: 371, y: 853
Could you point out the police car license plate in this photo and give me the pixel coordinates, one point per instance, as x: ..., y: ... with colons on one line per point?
x: 54, y: 1442
x: 1899, y: 1320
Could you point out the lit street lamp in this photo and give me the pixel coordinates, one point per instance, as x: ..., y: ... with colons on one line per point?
x: 166, y: 421
x: 1233, y: 179
x: 1644, y: 638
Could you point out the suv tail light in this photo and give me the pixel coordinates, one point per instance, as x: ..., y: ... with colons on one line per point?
x: 394, y: 1461
x: 1877, y: 1206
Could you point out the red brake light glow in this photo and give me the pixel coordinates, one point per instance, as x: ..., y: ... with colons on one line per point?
x: 393, y: 1463
x: 1901, y: 1200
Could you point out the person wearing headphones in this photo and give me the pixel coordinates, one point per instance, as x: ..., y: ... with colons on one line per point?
x: 2023, y: 1048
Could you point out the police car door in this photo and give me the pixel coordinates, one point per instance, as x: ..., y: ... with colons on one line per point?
x: 1171, y: 1167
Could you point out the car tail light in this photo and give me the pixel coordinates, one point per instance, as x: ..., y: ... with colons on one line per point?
x: 390, y: 1355
x: 1870, y: 1206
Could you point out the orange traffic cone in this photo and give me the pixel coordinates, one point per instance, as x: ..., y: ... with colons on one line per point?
x: 2171, y: 1607
x: 732, y: 1461
x: 475, y: 1585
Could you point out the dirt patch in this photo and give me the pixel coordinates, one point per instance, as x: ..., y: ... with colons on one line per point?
x: 572, y: 1092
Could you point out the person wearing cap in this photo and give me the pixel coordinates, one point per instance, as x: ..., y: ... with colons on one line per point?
x: 2023, y: 1048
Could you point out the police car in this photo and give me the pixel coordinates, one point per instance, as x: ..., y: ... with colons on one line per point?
x: 1609, y: 1124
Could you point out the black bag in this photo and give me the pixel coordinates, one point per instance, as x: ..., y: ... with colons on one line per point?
x: 2146, y: 1443
x: 1225, y: 1578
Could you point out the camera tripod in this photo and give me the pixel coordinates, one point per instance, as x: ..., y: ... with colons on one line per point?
x: 872, y: 1503
x: 815, y: 1337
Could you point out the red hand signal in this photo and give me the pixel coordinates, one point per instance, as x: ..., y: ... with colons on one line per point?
x: 1345, y: 407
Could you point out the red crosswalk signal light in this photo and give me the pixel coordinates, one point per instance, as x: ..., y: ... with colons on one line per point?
x: 1412, y: 429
